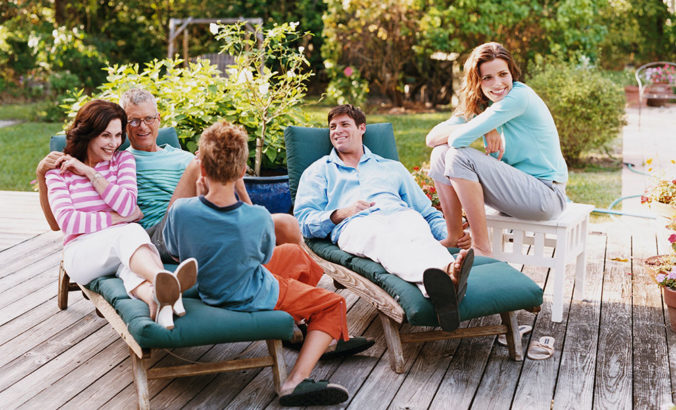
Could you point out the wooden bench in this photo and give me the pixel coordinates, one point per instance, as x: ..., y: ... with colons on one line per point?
x: 567, y: 234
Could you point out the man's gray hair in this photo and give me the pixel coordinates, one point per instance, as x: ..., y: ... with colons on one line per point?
x: 136, y: 96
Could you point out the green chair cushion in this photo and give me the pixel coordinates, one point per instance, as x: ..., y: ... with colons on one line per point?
x: 492, y: 287
x: 165, y: 136
x: 202, y: 324
x: 306, y: 145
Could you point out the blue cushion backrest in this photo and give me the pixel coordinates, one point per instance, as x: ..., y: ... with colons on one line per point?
x: 306, y: 145
x: 165, y: 136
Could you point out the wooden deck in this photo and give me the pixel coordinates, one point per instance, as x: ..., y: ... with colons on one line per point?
x: 613, y: 349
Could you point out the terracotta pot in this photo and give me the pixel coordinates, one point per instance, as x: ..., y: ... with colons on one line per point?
x: 659, y: 89
x: 670, y: 301
x: 662, y: 209
x: 631, y: 95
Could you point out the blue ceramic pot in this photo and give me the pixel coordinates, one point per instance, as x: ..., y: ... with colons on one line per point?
x: 271, y: 192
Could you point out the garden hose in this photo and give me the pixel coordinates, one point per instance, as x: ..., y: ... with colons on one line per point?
x: 610, y: 210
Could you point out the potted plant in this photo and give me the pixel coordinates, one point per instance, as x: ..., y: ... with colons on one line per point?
x: 659, y: 81
x: 664, y: 268
x: 661, y: 198
x: 268, y: 82
x: 420, y: 174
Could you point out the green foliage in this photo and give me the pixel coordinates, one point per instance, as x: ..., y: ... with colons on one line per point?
x: 194, y: 97
x: 189, y: 99
x: 588, y: 108
x: 267, y: 81
x: 346, y: 86
x: 639, y: 31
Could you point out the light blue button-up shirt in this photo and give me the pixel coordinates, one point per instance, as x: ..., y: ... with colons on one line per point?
x: 328, y: 184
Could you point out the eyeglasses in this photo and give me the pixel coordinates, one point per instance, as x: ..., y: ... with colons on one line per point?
x: 147, y: 120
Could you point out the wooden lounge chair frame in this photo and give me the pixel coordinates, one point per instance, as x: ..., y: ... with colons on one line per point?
x: 140, y: 357
x: 392, y: 315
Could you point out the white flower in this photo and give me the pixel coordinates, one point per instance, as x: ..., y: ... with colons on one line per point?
x: 301, y: 49
x: 293, y: 24
x: 244, y: 76
x: 213, y: 27
x: 263, y: 88
x: 290, y: 74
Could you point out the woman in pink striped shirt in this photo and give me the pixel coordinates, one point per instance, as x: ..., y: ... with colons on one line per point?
x: 92, y: 194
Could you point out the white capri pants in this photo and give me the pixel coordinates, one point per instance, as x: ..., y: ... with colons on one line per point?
x: 402, y: 242
x: 505, y: 188
x: 107, y: 251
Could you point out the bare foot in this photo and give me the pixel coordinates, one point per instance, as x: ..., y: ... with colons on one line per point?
x: 455, y: 266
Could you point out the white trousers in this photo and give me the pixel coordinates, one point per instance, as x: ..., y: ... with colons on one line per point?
x: 402, y: 242
x: 108, y: 251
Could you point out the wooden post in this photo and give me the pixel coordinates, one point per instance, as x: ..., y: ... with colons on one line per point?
x: 64, y: 281
x: 138, y: 368
x: 393, y: 341
x: 279, y: 366
x: 513, y: 335
x: 185, y: 47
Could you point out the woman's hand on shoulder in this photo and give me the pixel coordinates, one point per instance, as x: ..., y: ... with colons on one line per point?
x: 74, y: 165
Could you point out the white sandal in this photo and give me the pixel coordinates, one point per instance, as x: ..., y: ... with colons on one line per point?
x: 542, y: 349
x: 523, y: 329
x: 166, y: 291
x: 186, y: 273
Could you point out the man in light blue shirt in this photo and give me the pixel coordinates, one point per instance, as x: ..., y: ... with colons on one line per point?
x: 372, y: 207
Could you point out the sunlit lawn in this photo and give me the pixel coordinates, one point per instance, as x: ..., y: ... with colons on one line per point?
x: 23, y: 145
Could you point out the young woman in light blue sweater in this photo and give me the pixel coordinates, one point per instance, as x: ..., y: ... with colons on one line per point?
x: 522, y: 172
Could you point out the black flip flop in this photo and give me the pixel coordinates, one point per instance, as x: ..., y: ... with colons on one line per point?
x: 464, y: 274
x: 441, y: 291
x: 347, y: 348
x: 315, y: 393
x: 343, y: 348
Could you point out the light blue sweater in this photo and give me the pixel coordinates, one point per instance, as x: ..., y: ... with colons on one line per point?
x: 531, y: 140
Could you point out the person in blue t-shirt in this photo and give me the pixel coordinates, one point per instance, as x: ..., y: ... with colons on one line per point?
x: 232, y: 241
x: 522, y: 172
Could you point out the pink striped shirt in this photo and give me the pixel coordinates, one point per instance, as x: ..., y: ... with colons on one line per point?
x: 76, y: 205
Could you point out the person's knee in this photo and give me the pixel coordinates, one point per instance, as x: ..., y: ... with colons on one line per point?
x: 287, y: 229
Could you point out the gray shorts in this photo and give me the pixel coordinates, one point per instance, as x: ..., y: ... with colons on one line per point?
x: 506, y: 189
x: 157, y: 238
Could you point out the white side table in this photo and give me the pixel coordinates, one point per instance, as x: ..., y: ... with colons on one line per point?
x: 567, y: 234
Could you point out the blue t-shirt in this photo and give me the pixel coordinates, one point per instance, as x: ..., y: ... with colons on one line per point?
x: 231, y: 244
x: 157, y: 174
x: 531, y: 141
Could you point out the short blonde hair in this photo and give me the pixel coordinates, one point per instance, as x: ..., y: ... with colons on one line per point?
x: 223, y: 151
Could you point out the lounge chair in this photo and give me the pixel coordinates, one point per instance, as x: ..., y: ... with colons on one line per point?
x: 493, y: 286
x: 202, y: 324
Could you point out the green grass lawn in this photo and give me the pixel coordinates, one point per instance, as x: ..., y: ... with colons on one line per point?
x: 23, y: 145
x: 24, y: 112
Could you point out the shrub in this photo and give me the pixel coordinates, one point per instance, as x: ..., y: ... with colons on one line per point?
x: 587, y: 107
x: 347, y: 86
x: 188, y: 99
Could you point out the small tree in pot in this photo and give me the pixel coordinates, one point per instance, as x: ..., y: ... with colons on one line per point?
x: 268, y: 83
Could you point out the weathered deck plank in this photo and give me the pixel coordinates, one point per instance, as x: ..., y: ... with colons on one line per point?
x: 610, y: 350
x: 613, y: 381
x: 652, y: 385
x: 575, y: 385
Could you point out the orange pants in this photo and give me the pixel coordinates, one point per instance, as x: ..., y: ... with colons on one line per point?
x: 298, y: 276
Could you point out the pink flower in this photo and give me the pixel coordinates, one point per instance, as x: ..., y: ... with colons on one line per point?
x: 348, y: 71
x: 644, y: 199
x: 672, y: 238
x: 660, y: 277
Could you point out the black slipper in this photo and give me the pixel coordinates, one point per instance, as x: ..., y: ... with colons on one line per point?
x: 313, y: 393
x: 347, y: 348
x: 343, y: 348
x: 441, y: 291
x: 464, y: 274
